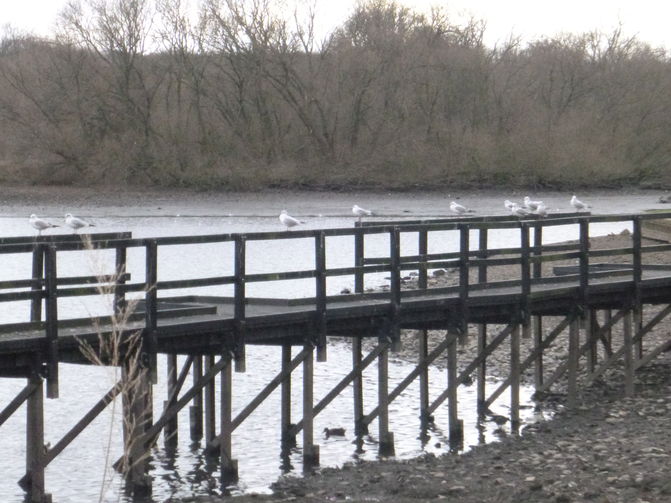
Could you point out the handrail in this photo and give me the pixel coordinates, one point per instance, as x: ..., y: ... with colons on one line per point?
x: 529, y: 255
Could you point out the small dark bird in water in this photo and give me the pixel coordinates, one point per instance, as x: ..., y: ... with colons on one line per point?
x: 334, y: 432
x: 499, y: 419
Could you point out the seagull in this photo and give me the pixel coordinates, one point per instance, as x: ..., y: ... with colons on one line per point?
x: 508, y: 204
x: 459, y: 209
x: 578, y: 204
x: 360, y: 212
x: 76, y: 223
x: 532, y: 205
x: 541, y: 210
x: 40, y: 224
x: 288, y: 221
x: 519, y: 211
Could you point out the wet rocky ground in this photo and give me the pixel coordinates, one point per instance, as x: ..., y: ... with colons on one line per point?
x: 608, y: 449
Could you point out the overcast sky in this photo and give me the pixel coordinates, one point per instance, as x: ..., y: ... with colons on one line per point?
x: 648, y: 19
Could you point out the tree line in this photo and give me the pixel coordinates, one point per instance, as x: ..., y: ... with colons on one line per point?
x: 246, y: 96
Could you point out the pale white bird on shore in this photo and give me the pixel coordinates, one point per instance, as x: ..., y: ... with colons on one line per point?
x: 508, y: 204
x: 519, y: 211
x: 578, y: 204
x: 530, y: 204
x: 360, y: 212
x: 288, y: 221
x: 76, y: 223
x: 459, y: 209
x: 40, y: 224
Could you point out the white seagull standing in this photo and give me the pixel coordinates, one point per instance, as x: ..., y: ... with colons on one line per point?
x: 360, y: 212
x: 76, y: 223
x: 532, y: 205
x: 288, y: 221
x: 459, y: 209
x: 508, y: 204
x: 578, y: 204
x: 40, y: 224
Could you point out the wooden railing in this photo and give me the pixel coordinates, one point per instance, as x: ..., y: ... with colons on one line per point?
x: 46, y: 284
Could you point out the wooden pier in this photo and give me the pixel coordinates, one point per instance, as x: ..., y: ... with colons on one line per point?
x: 588, y: 298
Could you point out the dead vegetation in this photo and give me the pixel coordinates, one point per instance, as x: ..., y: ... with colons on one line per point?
x: 248, y: 96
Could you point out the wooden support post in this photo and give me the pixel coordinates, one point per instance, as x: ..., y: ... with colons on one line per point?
x: 310, y: 450
x: 170, y: 430
x: 591, y: 329
x: 35, y: 450
x: 51, y: 313
x: 395, y: 290
x: 240, y: 314
x: 137, y: 415
x: 229, y: 466
x: 515, y: 377
x: 629, y: 364
x: 386, y: 438
x: 638, y: 326
x: 38, y: 277
x: 210, y: 413
x: 196, y: 410
x: 149, y: 343
x: 607, y: 316
x: 456, y: 427
x: 573, y: 356
x: 288, y: 440
x: 358, y: 259
x: 537, y: 321
x: 320, y: 295
x: 357, y: 389
x: 482, y: 371
x: 424, y: 415
x: 538, y: 342
x: 482, y: 328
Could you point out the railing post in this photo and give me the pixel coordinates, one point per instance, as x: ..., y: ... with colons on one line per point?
x: 51, y: 312
x: 320, y: 290
x: 423, y: 248
x: 149, y: 342
x: 584, y: 264
x: 637, y: 263
x: 464, y: 267
x: 526, y: 280
x: 120, y: 279
x: 395, y: 290
x: 240, y: 295
x: 38, y: 277
x: 358, y: 258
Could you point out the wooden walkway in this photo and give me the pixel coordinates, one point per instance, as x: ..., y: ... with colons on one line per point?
x: 588, y: 298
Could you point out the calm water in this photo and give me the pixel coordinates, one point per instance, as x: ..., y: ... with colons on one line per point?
x: 79, y: 473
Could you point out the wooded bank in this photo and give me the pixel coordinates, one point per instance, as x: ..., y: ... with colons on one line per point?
x: 246, y: 97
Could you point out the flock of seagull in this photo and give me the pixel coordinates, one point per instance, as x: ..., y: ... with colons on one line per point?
x: 75, y: 223
x: 528, y: 207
